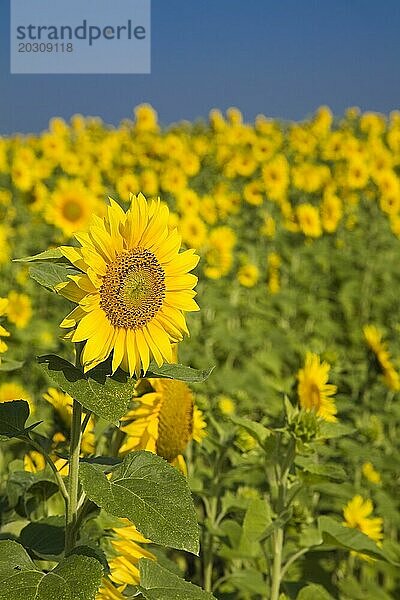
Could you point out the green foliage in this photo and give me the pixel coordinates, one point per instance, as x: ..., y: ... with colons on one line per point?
x: 149, y: 492
x: 75, y: 578
x: 156, y: 583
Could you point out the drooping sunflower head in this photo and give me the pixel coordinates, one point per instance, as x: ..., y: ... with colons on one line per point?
x: 133, y: 287
x: 313, y: 389
x: 164, y: 421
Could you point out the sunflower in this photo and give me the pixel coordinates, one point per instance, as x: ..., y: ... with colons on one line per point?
x: 370, y: 473
x: 313, y: 390
x: 133, y: 287
x: 14, y: 391
x: 62, y: 404
x: 357, y: 515
x: 164, y: 421
x: 308, y: 220
x: 373, y: 337
x: 3, y: 331
x: 19, y: 309
x: 71, y: 206
x: 126, y: 543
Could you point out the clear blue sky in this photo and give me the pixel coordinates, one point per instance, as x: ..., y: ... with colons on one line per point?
x: 280, y: 57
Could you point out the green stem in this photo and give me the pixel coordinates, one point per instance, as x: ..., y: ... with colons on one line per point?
x: 209, y: 550
x: 277, y: 563
x: 73, y: 480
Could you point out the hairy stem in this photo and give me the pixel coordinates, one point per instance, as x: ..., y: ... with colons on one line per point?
x: 73, y: 480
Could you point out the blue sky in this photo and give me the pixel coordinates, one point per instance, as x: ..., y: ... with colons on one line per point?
x: 279, y: 57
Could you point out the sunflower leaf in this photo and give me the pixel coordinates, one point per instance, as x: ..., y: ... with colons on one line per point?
x: 149, y: 492
x: 75, y: 578
x: 157, y: 583
x: 54, y: 254
x: 106, y: 396
x: 50, y: 274
x: 13, y: 416
x: 179, y: 372
x: 337, y: 535
x: 10, y: 365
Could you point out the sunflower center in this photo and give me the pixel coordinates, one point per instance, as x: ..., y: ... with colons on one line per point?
x: 315, y: 396
x: 72, y: 210
x: 133, y: 289
x: 175, y: 423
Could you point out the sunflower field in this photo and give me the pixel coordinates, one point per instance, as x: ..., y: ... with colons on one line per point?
x: 200, y: 359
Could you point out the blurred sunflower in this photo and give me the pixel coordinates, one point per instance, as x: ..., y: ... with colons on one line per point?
x: 11, y: 390
x: 357, y: 515
x: 62, y: 404
x: 308, y: 220
x: 71, y: 206
x: 133, y: 289
x: 19, y: 309
x: 313, y: 388
x: 164, y: 421
x: 125, y: 543
x: 373, y: 337
x: 3, y: 331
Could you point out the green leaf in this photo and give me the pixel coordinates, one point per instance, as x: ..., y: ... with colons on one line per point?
x: 45, y: 537
x: 337, y: 535
x: 93, y: 552
x: 75, y: 578
x: 256, y: 430
x: 255, y: 522
x: 107, y: 396
x: 180, y: 372
x: 13, y: 416
x: 54, y: 254
x: 49, y: 274
x: 156, y: 583
x: 10, y: 365
x: 329, y: 431
x: 280, y: 521
x: 248, y: 580
x: 314, y: 592
x: 150, y: 493
x: 331, y: 471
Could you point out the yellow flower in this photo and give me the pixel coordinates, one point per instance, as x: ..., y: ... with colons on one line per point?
x: 357, y: 515
x: 313, y: 388
x: 127, y: 184
x: 373, y: 337
x: 164, y: 421
x: 370, y: 473
x: 14, y: 391
x: 3, y: 331
x: 309, y: 221
x: 62, y: 404
x: 133, y: 288
x: 248, y: 275
x: 193, y: 231
x: 4, y: 244
x: 226, y: 405
x: 34, y: 462
x: 331, y: 212
x: 19, y: 309
x: 71, y: 206
x: 126, y: 545
x: 146, y: 118
x: 253, y: 192
x: 219, y: 256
